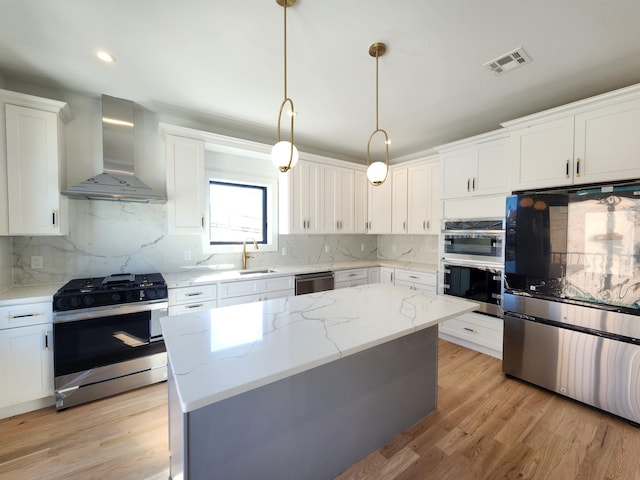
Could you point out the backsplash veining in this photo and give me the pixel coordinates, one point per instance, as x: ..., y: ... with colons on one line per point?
x: 112, y: 237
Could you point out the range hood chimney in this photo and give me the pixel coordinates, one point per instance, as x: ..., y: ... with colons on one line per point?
x: 117, y: 181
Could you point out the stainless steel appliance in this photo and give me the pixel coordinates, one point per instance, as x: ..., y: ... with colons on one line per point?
x: 572, y: 295
x: 472, y: 261
x: 314, y: 282
x: 107, y: 336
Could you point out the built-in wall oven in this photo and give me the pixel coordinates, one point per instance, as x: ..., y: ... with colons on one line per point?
x: 107, y: 336
x: 472, y: 261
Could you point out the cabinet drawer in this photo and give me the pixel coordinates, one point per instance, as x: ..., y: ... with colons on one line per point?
x: 351, y: 275
x: 417, y: 286
x: 192, y: 307
x: 279, y: 283
x: 201, y: 293
x: 24, y: 315
x: 351, y: 283
x: 476, y: 328
x: 423, y: 278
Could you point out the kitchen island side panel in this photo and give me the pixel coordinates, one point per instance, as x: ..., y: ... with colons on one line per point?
x: 315, y: 424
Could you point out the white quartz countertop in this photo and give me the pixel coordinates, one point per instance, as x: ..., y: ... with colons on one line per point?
x: 28, y: 294
x: 205, y: 275
x: 219, y: 353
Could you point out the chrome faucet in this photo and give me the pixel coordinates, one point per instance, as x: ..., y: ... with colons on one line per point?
x: 244, y: 251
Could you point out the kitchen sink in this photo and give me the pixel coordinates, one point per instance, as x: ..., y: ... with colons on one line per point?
x: 254, y: 272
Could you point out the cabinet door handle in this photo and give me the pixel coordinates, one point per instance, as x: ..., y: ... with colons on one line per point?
x: 25, y: 315
x: 202, y: 221
x: 473, y: 184
x: 567, y: 169
x: 468, y: 182
x: 197, y: 305
x: 53, y: 218
x: 577, y: 167
x: 194, y: 294
x: 404, y: 225
x: 469, y: 329
x: 46, y: 341
x: 428, y: 224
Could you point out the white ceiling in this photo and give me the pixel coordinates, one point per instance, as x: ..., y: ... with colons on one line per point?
x: 221, y: 61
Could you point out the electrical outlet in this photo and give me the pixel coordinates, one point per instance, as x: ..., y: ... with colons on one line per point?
x: 393, y: 248
x: 187, y: 255
x: 284, y: 251
x: 37, y: 261
x: 326, y: 249
x: 362, y: 247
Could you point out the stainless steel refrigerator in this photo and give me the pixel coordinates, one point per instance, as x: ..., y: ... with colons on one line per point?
x: 572, y: 294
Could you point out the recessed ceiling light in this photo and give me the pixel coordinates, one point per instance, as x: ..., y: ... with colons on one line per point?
x: 105, y: 56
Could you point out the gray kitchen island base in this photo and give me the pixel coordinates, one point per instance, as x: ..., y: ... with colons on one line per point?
x: 312, y: 425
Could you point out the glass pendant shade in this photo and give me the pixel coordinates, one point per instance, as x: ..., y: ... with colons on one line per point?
x: 377, y: 173
x: 281, y: 154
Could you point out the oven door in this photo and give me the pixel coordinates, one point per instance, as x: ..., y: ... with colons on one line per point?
x: 478, y: 246
x: 479, y: 283
x: 113, y: 336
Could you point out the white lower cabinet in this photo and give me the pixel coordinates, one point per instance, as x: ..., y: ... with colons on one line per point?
x: 246, y: 291
x: 422, y: 281
x: 351, y: 278
x: 476, y: 331
x: 192, y: 299
x: 387, y: 274
x: 26, y: 356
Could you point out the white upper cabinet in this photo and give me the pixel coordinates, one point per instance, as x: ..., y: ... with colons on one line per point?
x: 423, y: 208
x: 594, y: 140
x: 379, y: 208
x: 360, y: 212
x: 415, y: 198
x: 475, y: 166
x: 399, y: 199
x: 32, y: 166
x: 185, y: 185
x: 300, y: 192
x: 338, y: 191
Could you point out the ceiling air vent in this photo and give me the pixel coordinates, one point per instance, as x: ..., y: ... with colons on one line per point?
x: 509, y: 61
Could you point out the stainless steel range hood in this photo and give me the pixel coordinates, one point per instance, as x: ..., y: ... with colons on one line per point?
x: 117, y: 181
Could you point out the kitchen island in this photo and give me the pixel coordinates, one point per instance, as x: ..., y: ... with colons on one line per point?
x: 300, y: 387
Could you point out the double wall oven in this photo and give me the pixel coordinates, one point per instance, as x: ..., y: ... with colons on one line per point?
x: 107, y: 336
x: 472, y: 261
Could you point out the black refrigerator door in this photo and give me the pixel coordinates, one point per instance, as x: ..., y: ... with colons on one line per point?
x: 536, y: 243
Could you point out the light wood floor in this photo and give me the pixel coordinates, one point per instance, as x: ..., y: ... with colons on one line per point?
x: 485, y: 427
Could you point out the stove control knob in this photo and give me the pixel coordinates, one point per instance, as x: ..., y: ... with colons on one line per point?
x: 73, y: 302
x: 151, y: 293
x: 88, y: 300
x: 115, y: 297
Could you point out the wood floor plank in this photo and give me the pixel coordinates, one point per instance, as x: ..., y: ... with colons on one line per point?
x: 486, y: 427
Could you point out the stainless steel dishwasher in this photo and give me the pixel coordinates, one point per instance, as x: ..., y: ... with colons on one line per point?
x: 314, y: 282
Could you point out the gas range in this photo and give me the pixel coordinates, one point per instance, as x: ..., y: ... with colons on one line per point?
x: 107, y: 336
x: 116, y: 289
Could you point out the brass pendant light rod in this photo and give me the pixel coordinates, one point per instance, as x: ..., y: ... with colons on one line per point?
x: 377, y: 50
x: 292, y: 150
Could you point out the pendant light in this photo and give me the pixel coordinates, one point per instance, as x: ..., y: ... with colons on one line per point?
x: 377, y: 171
x: 284, y: 154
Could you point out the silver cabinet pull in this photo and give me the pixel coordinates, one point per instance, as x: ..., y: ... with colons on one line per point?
x: 46, y: 341
x: 25, y: 315
x: 470, y: 330
x: 198, y: 305
x: 194, y: 294
x: 577, y: 167
x: 567, y: 169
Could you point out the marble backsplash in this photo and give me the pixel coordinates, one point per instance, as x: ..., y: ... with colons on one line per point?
x: 410, y: 248
x: 5, y: 263
x: 112, y: 237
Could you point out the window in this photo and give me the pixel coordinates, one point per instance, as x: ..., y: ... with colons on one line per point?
x: 240, y: 207
x: 237, y: 211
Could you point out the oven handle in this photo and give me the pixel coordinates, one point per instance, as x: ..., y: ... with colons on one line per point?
x: 108, y: 311
x: 489, y: 267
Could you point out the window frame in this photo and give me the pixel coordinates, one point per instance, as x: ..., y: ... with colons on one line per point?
x: 271, y: 206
